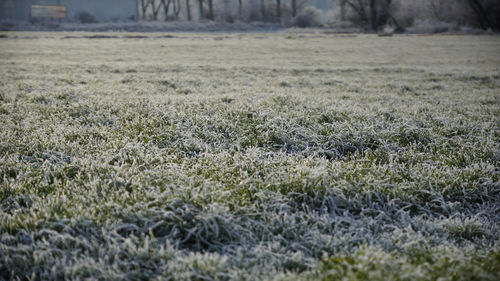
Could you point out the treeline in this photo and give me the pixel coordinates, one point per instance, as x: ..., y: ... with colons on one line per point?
x: 278, y: 11
x: 370, y: 15
x: 402, y: 14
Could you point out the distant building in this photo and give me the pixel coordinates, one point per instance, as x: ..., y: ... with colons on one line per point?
x: 100, y: 10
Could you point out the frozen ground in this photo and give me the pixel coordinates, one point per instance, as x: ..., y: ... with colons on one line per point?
x: 256, y: 156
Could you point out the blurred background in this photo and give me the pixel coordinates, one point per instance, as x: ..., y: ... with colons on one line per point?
x: 363, y: 15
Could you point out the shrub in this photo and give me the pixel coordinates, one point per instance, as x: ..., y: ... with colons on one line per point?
x: 309, y: 17
x: 86, y: 17
x: 430, y: 26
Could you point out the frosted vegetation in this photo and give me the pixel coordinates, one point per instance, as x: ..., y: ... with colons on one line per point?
x: 249, y: 157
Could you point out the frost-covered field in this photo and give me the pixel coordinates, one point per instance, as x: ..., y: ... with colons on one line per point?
x: 249, y: 157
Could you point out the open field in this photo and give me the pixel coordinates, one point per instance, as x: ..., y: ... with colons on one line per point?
x: 261, y: 156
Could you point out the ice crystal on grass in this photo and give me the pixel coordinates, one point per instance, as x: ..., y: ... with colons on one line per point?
x: 243, y: 159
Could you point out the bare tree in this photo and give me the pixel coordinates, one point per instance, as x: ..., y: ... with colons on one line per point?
x: 435, y: 8
x: 480, y: 13
x: 342, y: 10
x: 176, y: 8
x: 227, y: 12
x: 359, y: 8
x: 297, y: 6
x: 144, y: 8
x: 278, y: 10
x: 371, y: 14
x: 202, y: 12
x: 240, y: 8
x: 188, y: 10
x: 211, y: 9
x: 166, y: 7
x: 155, y: 8
x: 263, y: 8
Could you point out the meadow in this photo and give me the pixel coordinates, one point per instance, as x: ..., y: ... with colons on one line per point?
x: 249, y: 156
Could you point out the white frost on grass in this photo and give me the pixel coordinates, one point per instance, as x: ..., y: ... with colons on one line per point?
x: 249, y: 156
